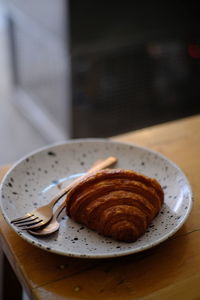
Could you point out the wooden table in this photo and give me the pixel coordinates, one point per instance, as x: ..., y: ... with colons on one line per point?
x: 168, y: 271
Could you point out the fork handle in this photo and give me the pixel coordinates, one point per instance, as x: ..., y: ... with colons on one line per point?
x: 59, y: 210
x: 98, y: 165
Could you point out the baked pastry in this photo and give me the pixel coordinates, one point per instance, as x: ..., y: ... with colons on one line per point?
x: 117, y: 203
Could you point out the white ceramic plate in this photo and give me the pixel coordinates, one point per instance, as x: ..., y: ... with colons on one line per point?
x: 35, y: 179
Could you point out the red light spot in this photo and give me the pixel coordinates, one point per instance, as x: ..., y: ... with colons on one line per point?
x: 194, y: 51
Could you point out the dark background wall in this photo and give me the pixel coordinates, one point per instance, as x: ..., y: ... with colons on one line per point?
x: 100, y: 68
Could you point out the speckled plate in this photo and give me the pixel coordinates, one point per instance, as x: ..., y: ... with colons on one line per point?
x: 36, y: 178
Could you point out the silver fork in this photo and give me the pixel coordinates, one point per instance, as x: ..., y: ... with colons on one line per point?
x: 43, y: 214
x: 52, y: 226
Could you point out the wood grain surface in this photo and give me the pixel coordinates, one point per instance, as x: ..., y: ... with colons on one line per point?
x: 168, y: 271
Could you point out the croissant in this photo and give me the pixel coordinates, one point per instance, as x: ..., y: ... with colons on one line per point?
x: 117, y: 203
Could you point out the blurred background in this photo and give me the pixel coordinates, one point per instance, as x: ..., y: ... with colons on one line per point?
x: 73, y: 69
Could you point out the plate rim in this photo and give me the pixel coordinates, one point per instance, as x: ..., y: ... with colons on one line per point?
x: 91, y: 255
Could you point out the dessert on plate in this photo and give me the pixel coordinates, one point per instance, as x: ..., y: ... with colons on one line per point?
x: 117, y: 203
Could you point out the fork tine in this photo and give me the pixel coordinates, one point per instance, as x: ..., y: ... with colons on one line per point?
x: 28, y: 215
x: 26, y: 220
x: 35, y: 225
x: 29, y: 224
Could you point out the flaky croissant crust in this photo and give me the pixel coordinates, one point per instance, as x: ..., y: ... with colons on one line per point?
x: 117, y: 203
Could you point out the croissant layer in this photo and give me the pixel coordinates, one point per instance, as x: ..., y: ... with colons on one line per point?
x: 117, y: 203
